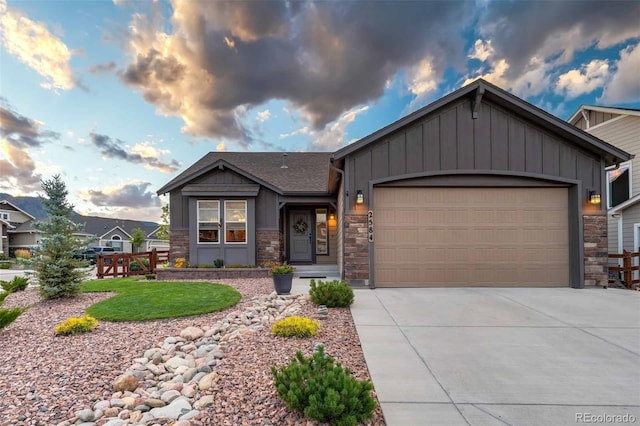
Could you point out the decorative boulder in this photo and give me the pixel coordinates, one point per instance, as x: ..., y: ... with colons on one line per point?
x: 126, y: 382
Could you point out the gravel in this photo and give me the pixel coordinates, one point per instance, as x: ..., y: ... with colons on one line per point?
x: 45, y: 379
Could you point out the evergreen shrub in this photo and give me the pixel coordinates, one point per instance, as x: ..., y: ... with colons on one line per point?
x: 333, y: 294
x: 295, y: 327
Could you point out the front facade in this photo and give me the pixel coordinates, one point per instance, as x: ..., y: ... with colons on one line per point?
x: 621, y: 128
x: 477, y: 189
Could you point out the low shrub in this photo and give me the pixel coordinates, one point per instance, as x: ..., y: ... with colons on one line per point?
x: 16, y: 284
x: 324, y: 391
x: 205, y: 266
x: 5, y: 264
x: 181, y: 262
x: 7, y: 316
x: 4, y: 256
x: 218, y: 263
x: 76, y: 325
x: 135, y: 266
x: 150, y: 276
x: 23, y: 254
x: 295, y: 327
x: 239, y: 266
x: 333, y: 294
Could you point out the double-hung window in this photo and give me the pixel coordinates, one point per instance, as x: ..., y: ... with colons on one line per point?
x: 235, y: 222
x: 208, y: 222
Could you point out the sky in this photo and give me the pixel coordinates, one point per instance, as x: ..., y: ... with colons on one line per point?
x: 120, y: 96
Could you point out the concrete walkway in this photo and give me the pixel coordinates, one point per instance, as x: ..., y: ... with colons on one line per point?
x: 482, y: 356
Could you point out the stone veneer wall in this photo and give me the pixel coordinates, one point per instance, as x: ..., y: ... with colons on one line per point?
x: 170, y: 274
x: 178, y: 244
x: 595, y: 250
x: 356, y: 248
x: 269, y: 247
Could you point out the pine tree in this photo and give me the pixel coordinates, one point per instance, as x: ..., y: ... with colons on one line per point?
x: 56, y: 269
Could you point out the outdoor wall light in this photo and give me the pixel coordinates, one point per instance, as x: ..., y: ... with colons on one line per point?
x: 594, y: 197
x: 332, y: 216
x: 359, y: 197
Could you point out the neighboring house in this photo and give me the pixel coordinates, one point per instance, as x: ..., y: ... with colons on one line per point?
x: 11, y: 217
x: 97, y: 231
x: 477, y: 188
x: 621, y: 128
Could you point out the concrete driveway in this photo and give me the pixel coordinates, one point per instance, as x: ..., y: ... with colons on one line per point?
x: 516, y: 356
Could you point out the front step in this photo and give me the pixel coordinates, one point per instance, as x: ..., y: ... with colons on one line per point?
x: 316, y: 271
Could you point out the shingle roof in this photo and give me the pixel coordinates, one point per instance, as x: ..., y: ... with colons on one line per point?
x: 98, y: 226
x: 306, y: 172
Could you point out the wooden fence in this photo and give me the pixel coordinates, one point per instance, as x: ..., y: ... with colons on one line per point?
x: 624, y: 272
x: 128, y: 264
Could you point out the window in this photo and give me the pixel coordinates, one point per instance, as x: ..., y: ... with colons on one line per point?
x: 322, y: 236
x: 4, y: 216
x: 116, y: 242
x: 235, y: 216
x: 619, y: 184
x: 208, y: 222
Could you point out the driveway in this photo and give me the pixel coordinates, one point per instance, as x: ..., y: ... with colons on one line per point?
x: 515, y: 356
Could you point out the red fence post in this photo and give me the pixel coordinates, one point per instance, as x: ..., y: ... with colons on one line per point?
x: 100, y: 266
x: 153, y: 260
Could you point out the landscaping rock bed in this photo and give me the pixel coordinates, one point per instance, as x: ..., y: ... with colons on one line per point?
x: 208, y: 369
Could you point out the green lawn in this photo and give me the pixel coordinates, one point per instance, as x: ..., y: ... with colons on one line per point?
x: 149, y: 300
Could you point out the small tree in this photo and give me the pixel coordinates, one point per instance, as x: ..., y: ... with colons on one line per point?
x: 55, y: 267
x: 137, y: 238
x: 163, y: 232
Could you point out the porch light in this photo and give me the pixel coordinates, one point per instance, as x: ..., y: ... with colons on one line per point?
x: 332, y: 216
x: 594, y: 197
x: 359, y: 197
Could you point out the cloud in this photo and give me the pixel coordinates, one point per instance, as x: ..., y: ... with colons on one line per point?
x: 482, y: 50
x: 520, y: 31
x: 22, y: 131
x: 221, y: 147
x: 421, y: 81
x: 102, y: 68
x: 301, y: 131
x: 219, y: 59
x: 332, y: 137
x: 624, y: 85
x: 18, y: 170
x: 588, y: 78
x: 264, y: 115
x: 143, y: 153
x: 129, y: 195
x: 33, y: 44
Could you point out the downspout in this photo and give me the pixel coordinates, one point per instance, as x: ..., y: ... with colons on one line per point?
x: 344, y: 203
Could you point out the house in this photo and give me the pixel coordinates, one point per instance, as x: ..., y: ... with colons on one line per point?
x: 97, y: 231
x: 479, y: 188
x: 621, y: 128
x: 11, y: 217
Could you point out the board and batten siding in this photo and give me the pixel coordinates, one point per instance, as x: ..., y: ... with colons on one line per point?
x: 624, y: 133
x: 266, y: 201
x: 612, y: 234
x: 595, y: 118
x: 451, y: 139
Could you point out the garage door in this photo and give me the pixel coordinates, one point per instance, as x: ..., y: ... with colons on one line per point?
x: 471, y: 237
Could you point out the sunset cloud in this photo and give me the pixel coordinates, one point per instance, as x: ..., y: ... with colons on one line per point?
x: 143, y: 153
x: 32, y: 44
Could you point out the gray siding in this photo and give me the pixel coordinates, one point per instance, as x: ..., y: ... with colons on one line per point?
x: 595, y: 118
x: 267, y: 213
x: 630, y: 217
x: 624, y: 133
x: 340, y: 229
x: 452, y: 140
x: 612, y: 234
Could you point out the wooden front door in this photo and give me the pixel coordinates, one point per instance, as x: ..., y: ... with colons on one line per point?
x: 300, y: 236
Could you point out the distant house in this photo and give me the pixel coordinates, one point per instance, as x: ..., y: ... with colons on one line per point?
x: 479, y: 188
x: 621, y: 128
x: 97, y: 231
x: 12, y: 217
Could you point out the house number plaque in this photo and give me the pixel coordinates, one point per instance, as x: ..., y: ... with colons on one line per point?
x: 370, y: 226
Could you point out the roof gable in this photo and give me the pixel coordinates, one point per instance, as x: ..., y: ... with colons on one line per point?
x: 13, y: 207
x: 611, y: 110
x: 481, y: 89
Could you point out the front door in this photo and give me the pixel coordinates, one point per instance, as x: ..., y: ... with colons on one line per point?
x: 300, y: 236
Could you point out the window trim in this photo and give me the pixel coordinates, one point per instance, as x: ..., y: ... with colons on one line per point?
x: 326, y: 227
x: 246, y: 213
x: 630, y: 165
x: 198, y: 222
x: 7, y: 214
